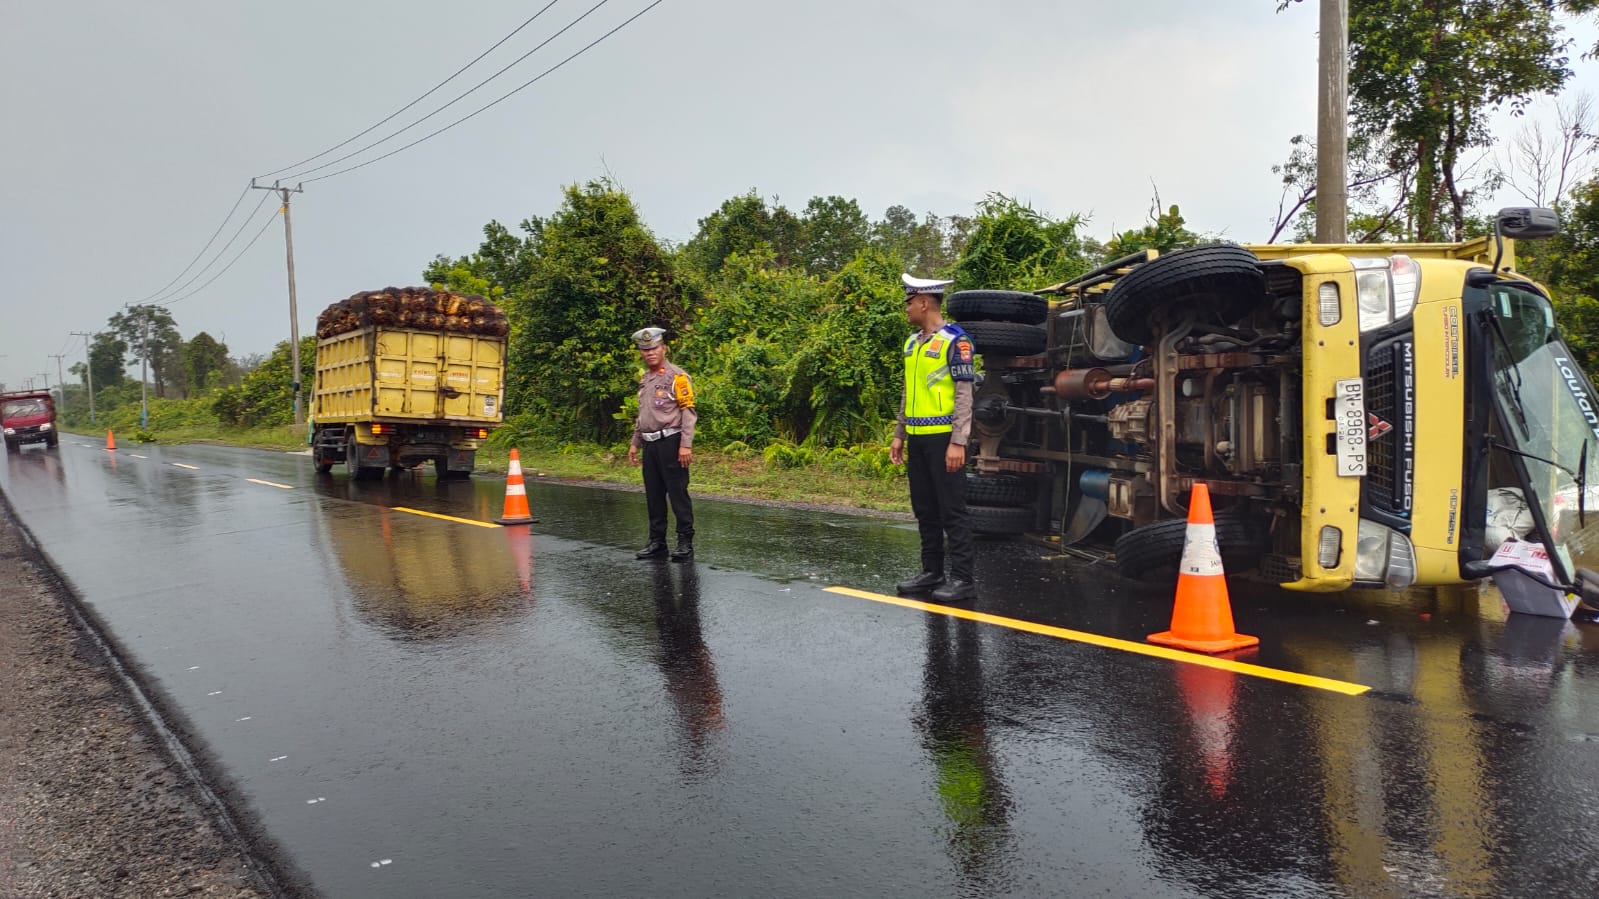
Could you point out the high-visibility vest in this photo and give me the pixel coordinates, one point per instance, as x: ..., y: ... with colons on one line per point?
x: 929, y: 385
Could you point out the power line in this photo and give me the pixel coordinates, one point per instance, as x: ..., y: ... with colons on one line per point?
x: 224, y: 224
x: 225, y: 268
x: 393, y: 134
x: 496, y: 102
x: 391, y: 116
x: 245, y: 223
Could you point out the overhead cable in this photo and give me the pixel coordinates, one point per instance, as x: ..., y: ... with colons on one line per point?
x: 393, y: 134
x: 391, y: 116
x: 530, y: 82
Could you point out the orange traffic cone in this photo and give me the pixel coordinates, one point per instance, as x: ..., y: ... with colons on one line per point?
x: 516, y: 510
x: 110, y: 440
x: 1202, y: 618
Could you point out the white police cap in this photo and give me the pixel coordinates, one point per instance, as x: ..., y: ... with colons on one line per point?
x: 923, y: 285
x: 647, y: 338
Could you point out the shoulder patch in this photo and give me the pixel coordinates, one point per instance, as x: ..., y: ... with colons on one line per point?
x: 683, y: 390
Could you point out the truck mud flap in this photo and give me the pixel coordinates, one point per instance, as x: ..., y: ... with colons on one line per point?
x: 462, y: 460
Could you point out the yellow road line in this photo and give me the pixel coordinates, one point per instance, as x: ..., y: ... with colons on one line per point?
x: 190, y: 467
x: 1159, y: 652
x: 269, y: 484
x: 481, y: 524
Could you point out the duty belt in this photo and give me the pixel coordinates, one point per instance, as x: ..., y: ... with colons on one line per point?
x: 652, y: 436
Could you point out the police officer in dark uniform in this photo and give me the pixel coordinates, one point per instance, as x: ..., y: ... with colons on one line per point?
x: 934, y: 421
x: 665, y: 434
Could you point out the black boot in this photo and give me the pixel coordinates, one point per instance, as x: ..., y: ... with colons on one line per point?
x: 956, y: 590
x: 685, y: 549
x: 656, y: 550
x: 921, y: 583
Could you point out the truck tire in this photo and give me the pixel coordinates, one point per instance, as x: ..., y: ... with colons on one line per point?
x: 999, y: 520
x: 323, y: 467
x: 1153, y: 552
x: 359, y: 472
x: 1005, y: 338
x: 998, y: 306
x: 1220, y: 283
x: 11, y: 446
x: 999, y: 490
x: 53, y: 441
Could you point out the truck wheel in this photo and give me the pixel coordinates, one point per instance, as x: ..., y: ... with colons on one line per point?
x: 999, y: 490
x: 1219, y: 283
x: 53, y: 441
x: 1005, y: 338
x: 1153, y: 552
x: 323, y: 467
x: 999, y: 520
x: 11, y: 446
x: 352, y: 455
x: 998, y: 306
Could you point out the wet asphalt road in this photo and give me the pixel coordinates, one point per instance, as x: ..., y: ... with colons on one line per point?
x: 416, y: 707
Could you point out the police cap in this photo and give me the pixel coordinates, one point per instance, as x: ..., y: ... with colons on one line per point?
x: 648, y: 338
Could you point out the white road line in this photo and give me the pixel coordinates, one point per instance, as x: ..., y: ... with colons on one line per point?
x: 137, y: 456
x: 190, y: 467
x: 269, y: 484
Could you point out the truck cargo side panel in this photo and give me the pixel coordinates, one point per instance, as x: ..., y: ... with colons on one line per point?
x: 400, y: 374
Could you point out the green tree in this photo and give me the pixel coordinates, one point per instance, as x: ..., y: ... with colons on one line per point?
x: 205, y: 362
x: 1165, y: 232
x: 834, y: 229
x: 1424, y: 76
x: 151, y: 337
x: 927, y: 247
x: 740, y: 225
x: 107, y: 360
x: 596, y: 275
x: 266, y: 395
x: 1013, y: 246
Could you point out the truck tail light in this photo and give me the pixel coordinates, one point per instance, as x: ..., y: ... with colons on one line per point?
x: 377, y: 430
x: 1329, y: 312
x: 1329, y: 547
x: 479, y: 433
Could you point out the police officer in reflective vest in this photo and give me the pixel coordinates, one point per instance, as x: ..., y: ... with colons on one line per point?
x: 665, y: 433
x: 930, y: 438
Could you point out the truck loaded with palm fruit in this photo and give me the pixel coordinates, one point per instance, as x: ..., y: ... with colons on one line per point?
x: 1364, y: 415
x: 405, y: 376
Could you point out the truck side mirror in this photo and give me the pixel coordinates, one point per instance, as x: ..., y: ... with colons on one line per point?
x: 1527, y: 222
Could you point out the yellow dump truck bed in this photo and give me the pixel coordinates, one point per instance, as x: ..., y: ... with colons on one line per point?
x: 400, y: 374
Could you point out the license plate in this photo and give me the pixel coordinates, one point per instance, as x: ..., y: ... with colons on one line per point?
x: 1349, y: 412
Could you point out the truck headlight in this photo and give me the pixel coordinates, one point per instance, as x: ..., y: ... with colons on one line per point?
x: 1383, y: 555
x: 10, y: 431
x: 45, y: 426
x: 1386, y: 288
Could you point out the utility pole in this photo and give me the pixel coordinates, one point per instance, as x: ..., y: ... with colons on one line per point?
x: 1332, y: 121
x: 88, y: 367
x: 294, y: 315
x: 61, y: 381
x: 144, y: 359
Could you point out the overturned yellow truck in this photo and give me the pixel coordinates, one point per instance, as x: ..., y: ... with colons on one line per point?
x: 405, y: 376
x: 1364, y: 415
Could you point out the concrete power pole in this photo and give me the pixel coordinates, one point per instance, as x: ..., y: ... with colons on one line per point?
x: 294, y: 315
x: 144, y: 358
x: 88, y: 367
x: 1332, y: 119
x: 61, y: 381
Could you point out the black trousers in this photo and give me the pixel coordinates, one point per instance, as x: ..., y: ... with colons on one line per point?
x: 939, y: 500
x: 664, y: 478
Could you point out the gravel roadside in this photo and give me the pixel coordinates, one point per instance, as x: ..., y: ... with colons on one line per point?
x: 91, y: 804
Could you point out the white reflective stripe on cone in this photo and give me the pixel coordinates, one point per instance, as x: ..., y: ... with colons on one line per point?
x: 521, y: 490
x: 1201, y: 555
x: 515, y: 470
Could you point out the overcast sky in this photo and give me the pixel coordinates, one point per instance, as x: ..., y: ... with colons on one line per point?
x: 132, y: 127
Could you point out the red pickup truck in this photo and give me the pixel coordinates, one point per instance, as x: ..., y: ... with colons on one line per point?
x: 28, y: 417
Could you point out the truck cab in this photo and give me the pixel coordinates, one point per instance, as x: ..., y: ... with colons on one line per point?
x: 28, y: 417
x: 1364, y: 415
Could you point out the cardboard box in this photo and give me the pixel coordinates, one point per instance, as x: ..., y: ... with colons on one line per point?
x: 1523, y: 594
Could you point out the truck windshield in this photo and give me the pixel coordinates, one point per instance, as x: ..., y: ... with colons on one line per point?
x: 1551, y: 416
x: 21, y: 408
